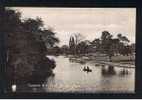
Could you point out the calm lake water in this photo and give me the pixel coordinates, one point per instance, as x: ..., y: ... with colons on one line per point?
x: 70, y: 77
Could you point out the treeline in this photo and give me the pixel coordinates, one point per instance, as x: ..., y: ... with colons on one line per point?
x: 106, y: 44
x: 26, y: 47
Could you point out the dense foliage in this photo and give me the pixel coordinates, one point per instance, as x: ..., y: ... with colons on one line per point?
x: 26, y: 47
x: 106, y: 44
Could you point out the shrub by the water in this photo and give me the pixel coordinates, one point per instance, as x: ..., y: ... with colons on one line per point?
x: 29, y: 63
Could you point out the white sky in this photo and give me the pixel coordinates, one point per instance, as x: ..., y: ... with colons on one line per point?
x: 89, y: 22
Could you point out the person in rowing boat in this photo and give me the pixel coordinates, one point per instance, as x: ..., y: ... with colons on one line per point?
x: 87, y: 69
x: 84, y: 69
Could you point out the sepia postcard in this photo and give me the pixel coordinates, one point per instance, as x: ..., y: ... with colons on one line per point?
x: 70, y: 50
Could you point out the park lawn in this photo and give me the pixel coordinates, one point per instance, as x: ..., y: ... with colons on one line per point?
x: 124, y: 59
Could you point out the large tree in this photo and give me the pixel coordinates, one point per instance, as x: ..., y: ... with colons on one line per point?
x: 123, y: 39
x: 26, y: 48
x: 72, y: 45
x: 96, y: 43
x: 78, y: 38
x: 49, y: 38
x: 74, y: 41
x: 82, y: 47
x: 106, y: 38
x: 109, y: 45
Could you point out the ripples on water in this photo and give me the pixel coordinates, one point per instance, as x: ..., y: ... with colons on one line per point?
x: 70, y: 77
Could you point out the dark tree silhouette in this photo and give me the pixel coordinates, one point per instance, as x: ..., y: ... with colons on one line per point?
x: 123, y: 38
x: 26, y: 48
x: 106, y: 43
x: 96, y: 43
x: 49, y: 38
x: 74, y: 41
x: 82, y: 47
x: 72, y: 45
x: 65, y: 49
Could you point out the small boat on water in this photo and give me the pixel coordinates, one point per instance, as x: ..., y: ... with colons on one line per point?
x: 87, y: 69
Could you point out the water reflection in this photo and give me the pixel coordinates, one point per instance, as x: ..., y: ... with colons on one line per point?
x: 108, y: 71
x: 124, y: 72
x: 70, y: 77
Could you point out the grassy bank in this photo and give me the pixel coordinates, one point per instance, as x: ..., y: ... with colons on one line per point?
x: 126, y: 61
